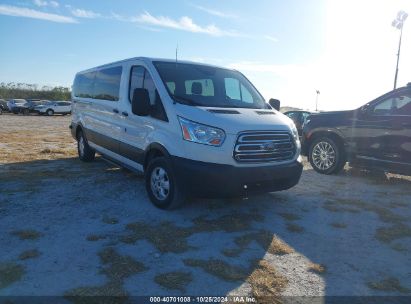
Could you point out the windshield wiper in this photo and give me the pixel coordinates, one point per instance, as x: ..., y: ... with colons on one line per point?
x: 187, y: 100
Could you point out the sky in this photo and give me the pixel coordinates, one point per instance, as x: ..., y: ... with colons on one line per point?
x: 346, y: 49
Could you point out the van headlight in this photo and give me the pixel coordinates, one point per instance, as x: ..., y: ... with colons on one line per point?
x: 294, y: 132
x: 202, y: 134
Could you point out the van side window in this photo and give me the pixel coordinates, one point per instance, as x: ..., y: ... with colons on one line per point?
x: 141, y: 78
x: 107, y: 83
x: 84, y: 85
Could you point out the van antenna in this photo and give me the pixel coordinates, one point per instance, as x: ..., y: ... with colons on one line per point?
x: 176, y: 52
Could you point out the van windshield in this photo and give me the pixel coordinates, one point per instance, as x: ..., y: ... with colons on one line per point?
x: 199, y: 85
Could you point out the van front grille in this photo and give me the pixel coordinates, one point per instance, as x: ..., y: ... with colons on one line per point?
x: 264, y: 146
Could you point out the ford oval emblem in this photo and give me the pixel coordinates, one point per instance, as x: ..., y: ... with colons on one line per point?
x: 270, y: 146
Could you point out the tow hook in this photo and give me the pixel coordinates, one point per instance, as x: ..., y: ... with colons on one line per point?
x: 245, y: 192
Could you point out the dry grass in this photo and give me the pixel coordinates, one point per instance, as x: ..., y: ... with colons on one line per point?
x: 116, y: 268
x: 266, y: 283
x: 317, y: 268
x: 110, y: 220
x: 95, y: 237
x: 29, y: 254
x: 47, y: 137
x: 219, y: 269
x: 290, y: 216
x: 10, y: 273
x: 167, y: 237
x: 177, y: 280
x: 353, y: 205
x: 228, y: 223
x: 397, y: 231
x: 295, y: 228
x: 119, y: 267
x: 338, y: 225
x: 26, y: 234
x: 232, y: 252
x: 269, y: 242
x: 388, y: 284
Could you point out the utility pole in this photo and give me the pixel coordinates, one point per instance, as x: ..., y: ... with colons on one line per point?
x: 398, y: 23
x: 316, y: 100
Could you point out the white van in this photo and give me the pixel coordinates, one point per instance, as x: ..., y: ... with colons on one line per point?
x: 193, y: 129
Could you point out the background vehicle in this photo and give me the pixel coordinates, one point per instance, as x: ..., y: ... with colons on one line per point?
x: 15, y: 105
x: 54, y: 107
x: 377, y: 135
x: 193, y: 129
x: 298, y: 117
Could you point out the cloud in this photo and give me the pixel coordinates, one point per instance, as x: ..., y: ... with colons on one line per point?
x: 42, y: 3
x: 271, y: 38
x: 184, y: 24
x: 214, y: 12
x: 16, y: 11
x: 82, y: 13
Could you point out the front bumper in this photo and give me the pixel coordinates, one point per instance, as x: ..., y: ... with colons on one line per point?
x: 209, y: 180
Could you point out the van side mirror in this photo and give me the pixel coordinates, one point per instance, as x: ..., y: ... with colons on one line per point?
x: 275, y: 103
x: 140, y: 105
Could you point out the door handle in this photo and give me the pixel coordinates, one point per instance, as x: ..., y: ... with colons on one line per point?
x: 115, y: 111
x: 124, y: 113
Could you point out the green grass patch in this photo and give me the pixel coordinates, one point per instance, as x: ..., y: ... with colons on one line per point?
x: 177, y: 280
x: 10, y: 273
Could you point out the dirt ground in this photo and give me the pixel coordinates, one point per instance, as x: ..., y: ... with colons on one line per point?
x: 72, y: 228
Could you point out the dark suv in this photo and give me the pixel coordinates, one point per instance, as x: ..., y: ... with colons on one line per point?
x: 376, y: 136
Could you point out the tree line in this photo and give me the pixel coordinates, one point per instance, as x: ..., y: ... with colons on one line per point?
x: 15, y: 90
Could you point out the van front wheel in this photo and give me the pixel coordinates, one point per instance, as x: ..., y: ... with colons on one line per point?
x: 162, y: 186
x: 85, y: 152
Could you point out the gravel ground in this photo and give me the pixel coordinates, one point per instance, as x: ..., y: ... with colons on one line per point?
x: 70, y: 228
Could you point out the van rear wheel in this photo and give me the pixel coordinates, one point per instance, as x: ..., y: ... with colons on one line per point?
x: 162, y: 186
x: 85, y: 152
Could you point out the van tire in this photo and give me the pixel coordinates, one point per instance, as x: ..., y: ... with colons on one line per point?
x: 50, y: 112
x: 174, y: 197
x: 85, y: 152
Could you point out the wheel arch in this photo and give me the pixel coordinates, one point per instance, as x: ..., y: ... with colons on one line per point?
x: 336, y: 136
x: 152, y: 151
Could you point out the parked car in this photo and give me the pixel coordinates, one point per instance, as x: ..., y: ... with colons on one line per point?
x: 193, y: 129
x: 3, y: 105
x: 377, y: 135
x: 54, y: 107
x: 16, y: 105
x: 298, y: 117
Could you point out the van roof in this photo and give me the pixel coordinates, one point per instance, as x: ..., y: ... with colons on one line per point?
x: 148, y: 60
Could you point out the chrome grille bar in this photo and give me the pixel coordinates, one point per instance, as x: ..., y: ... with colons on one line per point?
x: 264, y: 146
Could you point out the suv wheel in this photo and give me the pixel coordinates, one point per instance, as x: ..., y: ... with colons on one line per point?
x: 49, y: 112
x: 161, y: 185
x: 326, y: 156
x: 85, y: 152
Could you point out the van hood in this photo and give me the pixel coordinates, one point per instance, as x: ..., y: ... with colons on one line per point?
x: 235, y: 120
